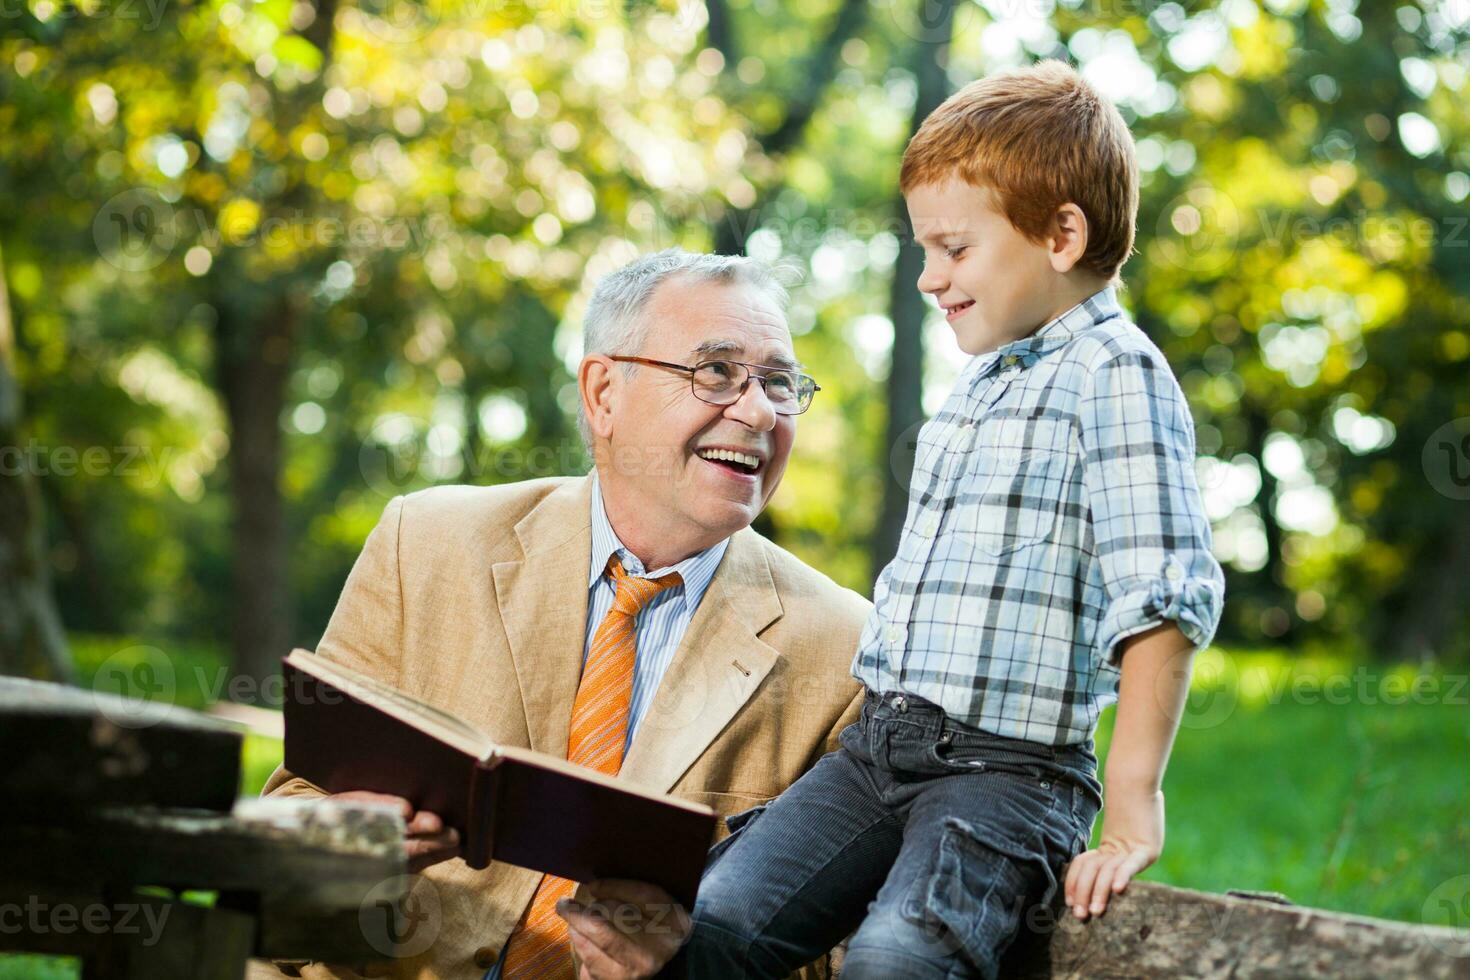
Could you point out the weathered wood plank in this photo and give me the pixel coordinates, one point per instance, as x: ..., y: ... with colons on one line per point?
x: 122, y: 936
x: 310, y: 878
x: 1154, y: 930
x: 67, y: 749
x: 312, y: 853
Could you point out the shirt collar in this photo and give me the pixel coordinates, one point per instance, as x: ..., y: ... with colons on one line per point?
x: 696, y: 571
x: 1097, y: 308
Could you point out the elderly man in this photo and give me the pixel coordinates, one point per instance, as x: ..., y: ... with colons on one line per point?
x: 510, y: 606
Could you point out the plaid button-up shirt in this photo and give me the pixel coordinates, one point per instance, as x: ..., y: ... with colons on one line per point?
x: 1053, y: 512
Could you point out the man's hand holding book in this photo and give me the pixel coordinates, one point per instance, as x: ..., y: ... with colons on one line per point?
x: 426, y: 840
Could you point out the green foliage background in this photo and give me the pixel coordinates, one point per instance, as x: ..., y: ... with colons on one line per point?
x: 434, y: 208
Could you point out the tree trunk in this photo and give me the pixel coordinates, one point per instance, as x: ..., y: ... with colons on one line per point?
x: 907, y: 307
x: 1274, y: 574
x: 252, y: 365
x: 735, y: 226
x: 32, y: 642
x: 253, y: 344
x: 1432, y: 609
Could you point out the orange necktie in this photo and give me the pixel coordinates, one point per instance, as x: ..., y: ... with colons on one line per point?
x: 541, y: 949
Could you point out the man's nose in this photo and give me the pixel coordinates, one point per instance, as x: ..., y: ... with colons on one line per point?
x: 753, y: 408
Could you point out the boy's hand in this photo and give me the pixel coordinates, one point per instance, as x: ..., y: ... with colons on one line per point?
x: 1132, y: 839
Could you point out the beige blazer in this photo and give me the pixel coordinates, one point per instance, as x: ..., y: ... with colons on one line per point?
x: 475, y: 600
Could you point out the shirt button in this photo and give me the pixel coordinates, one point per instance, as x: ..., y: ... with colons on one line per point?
x: 1174, y: 573
x: 486, y: 956
x: 1012, y: 360
x: 928, y: 524
x: 894, y: 634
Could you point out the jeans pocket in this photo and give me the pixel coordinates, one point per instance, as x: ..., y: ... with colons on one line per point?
x: 951, y: 756
x: 1084, y: 814
x: 978, y: 891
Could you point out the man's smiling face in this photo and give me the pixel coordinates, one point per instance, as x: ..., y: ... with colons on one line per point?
x: 663, y: 440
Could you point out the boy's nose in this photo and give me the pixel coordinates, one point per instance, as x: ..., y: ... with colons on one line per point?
x: 930, y: 281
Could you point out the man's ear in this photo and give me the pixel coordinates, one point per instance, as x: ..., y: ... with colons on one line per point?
x: 598, y: 380
x: 1068, y: 240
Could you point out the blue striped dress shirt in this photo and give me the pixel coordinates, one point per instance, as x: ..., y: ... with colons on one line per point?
x: 661, y: 624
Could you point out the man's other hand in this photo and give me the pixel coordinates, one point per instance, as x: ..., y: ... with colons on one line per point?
x: 426, y: 840
x: 628, y: 931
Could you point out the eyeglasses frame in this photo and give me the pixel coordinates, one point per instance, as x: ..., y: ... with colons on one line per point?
x: 749, y: 375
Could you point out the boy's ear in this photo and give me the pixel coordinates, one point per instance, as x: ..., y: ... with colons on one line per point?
x: 1068, y: 241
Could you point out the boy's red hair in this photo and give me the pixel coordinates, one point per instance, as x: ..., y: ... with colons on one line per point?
x: 1038, y: 137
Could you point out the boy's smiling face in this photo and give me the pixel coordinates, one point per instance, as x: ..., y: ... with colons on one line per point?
x: 994, y: 284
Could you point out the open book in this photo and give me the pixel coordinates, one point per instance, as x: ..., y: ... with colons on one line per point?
x: 347, y: 731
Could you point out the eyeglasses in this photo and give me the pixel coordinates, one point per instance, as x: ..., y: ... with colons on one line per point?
x: 723, y: 382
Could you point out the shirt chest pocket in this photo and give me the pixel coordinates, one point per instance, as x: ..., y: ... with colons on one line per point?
x: 1016, y: 485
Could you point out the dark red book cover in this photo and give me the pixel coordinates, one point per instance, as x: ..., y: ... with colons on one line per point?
x: 346, y: 731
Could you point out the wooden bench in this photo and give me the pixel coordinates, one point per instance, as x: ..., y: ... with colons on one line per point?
x: 115, y: 811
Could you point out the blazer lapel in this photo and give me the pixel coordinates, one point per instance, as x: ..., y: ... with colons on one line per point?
x: 543, y: 606
x: 719, y: 664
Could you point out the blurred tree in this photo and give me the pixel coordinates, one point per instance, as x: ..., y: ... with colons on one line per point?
x: 907, y: 306
x: 810, y: 80
x: 1300, y: 264
x: 31, y: 640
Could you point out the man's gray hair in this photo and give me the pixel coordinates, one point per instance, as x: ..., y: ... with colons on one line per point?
x: 615, y: 322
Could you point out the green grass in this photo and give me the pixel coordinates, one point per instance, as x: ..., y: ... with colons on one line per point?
x: 190, y: 676
x: 1360, y: 806
x: 23, y: 966
x: 259, y: 759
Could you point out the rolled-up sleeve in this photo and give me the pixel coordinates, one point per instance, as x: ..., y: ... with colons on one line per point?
x: 1152, y: 535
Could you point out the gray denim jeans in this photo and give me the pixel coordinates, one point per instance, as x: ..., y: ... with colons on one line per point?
x: 931, y: 839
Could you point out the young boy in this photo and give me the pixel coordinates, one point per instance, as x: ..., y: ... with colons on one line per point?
x: 1055, y: 557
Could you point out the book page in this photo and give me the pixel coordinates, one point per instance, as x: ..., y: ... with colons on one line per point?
x: 392, y: 701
